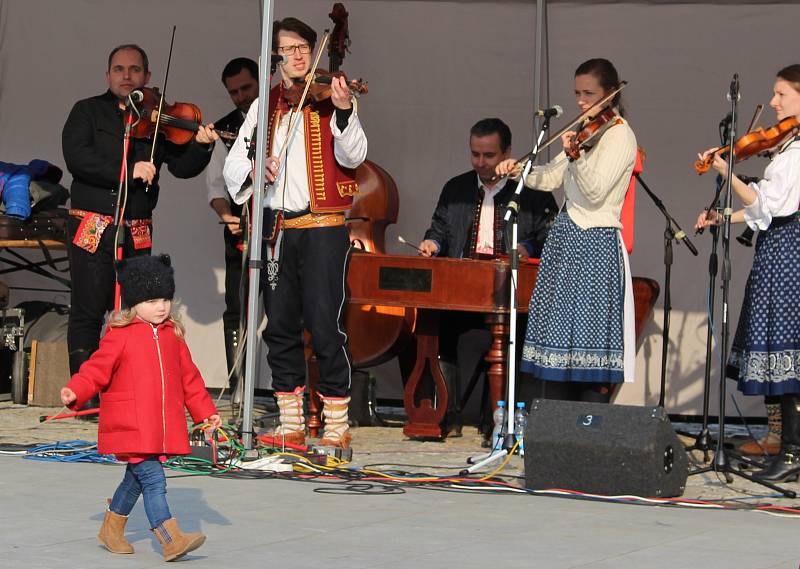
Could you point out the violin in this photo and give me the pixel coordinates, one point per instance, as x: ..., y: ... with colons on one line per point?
x: 179, y: 121
x: 320, y: 88
x: 755, y: 142
x: 592, y: 128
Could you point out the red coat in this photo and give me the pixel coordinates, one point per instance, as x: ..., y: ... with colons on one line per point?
x: 145, y: 376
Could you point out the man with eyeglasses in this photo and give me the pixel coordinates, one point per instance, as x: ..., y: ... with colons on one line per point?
x: 311, y: 172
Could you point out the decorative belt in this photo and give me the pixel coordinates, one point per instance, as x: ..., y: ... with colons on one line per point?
x: 311, y: 220
x: 93, y: 225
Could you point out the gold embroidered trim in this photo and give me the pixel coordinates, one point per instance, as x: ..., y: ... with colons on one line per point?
x: 345, y: 189
x: 316, y: 169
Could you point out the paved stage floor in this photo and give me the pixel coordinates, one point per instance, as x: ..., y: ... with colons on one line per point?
x: 50, y: 514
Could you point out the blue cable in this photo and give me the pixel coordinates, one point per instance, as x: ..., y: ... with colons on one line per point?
x: 69, y: 451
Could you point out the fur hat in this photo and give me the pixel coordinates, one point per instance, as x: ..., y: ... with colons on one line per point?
x: 146, y: 278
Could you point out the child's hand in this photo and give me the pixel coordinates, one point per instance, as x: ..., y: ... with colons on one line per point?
x: 67, y: 395
x: 214, y: 421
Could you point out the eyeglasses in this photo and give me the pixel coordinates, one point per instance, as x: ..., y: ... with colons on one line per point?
x: 303, y: 48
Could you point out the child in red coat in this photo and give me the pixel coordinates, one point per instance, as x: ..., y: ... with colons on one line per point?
x: 145, y: 376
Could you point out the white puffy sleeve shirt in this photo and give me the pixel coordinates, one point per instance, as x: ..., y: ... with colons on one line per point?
x: 778, y: 192
x: 596, y: 183
x: 349, y: 148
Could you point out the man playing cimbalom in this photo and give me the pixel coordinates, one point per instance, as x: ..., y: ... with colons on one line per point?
x: 468, y: 223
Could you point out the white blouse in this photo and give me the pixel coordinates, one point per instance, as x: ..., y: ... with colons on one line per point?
x: 596, y: 183
x: 778, y: 192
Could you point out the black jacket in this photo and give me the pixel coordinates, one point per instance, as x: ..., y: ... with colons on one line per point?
x: 92, y: 146
x: 453, y: 222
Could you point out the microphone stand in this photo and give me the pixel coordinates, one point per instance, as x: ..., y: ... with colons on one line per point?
x: 702, y: 441
x: 122, y: 191
x: 670, y: 235
x: 478, y: 462
x: 255, y: 264
x: 721, y: 463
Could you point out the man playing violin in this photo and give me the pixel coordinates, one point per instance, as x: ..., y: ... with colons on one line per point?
x: 92, y: 145
x: 240, y: 78
x: 468, y: 223
x: 311, y: 172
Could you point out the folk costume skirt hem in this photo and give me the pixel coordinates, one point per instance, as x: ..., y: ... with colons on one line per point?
x: 765, y: 356
x: 580, y: 324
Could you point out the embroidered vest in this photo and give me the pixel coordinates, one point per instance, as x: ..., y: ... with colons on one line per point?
x: 331, y: 186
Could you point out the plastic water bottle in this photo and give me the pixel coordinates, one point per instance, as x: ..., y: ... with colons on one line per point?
x: 520, y: 423
x: 499, y: 430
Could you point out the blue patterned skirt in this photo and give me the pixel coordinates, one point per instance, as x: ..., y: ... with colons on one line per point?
x: 765, y: 357
x: 575, y: 325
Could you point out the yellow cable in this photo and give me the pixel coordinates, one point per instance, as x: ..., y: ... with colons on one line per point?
x: 502, y: 464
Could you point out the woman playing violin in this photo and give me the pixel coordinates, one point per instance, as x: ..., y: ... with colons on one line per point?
x: 766, y: 349
x: 580, y: 335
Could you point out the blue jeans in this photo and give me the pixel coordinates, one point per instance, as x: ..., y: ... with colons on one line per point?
x: 147, y: 479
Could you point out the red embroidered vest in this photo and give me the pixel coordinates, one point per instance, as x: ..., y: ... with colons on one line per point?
x: 331, y: 186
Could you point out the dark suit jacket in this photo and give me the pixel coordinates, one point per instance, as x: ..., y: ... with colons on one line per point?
x: 459, y: 203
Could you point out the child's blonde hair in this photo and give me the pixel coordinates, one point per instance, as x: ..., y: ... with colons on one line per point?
x: 124, y: 317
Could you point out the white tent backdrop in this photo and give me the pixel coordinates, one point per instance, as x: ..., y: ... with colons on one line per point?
x: 434, y: 68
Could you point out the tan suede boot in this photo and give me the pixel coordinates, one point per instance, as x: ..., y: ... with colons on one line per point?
x: 174, y: 542
x: 336, y: 433
x: 112, y: 533
x: 292, y: 428
x: 769, y: 444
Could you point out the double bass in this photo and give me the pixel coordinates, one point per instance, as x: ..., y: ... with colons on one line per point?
x: 376, y: 334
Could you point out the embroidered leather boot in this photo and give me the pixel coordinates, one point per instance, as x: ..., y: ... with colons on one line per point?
x: 337, y: 427
x: 174, y: 543
x: 112, y: 533
x: 292, y: 428
x: 769, y: 444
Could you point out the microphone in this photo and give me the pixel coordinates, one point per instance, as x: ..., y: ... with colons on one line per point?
x: 552, y: 112
x: 733, y: 91
x: 134, y: 97
x: 278, y: 59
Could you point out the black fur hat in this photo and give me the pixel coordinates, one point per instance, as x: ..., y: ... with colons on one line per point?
x: 146, y: 278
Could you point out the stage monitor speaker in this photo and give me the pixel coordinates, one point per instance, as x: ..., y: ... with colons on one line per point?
x: 603, y: 449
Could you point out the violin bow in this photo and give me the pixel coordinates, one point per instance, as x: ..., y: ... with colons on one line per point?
x: 756, y: 116
x: 601, y: 103
x: 161, y: 104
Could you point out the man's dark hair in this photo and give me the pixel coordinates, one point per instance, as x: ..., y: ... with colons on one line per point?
x: 486, y: 127
x: 293, y: 25
x: 235, y: 66
x: 145, y: 61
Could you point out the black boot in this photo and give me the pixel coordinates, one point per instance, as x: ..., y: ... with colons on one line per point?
x: 76, y: 359
x: 231, y: 349
x: 785, y: 466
